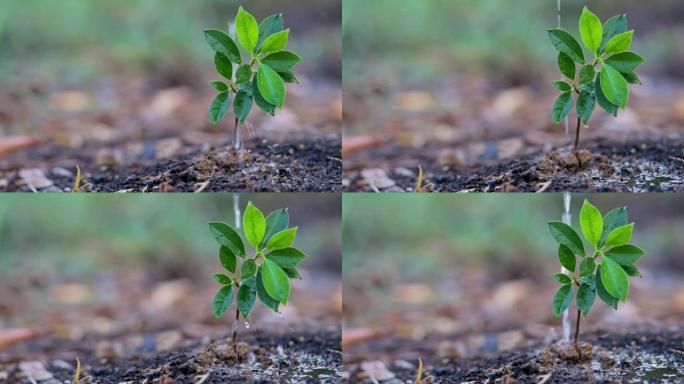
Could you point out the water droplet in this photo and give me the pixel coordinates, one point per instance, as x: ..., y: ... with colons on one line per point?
x: 586, y: 126
x: 280, y: 314
x: 236, y: 209
x: 247, y: 324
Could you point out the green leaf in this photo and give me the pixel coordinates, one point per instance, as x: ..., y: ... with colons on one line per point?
x: 587, y: 75
x: 292, y: 273
x: 585, y: 298
x: 562, y: 278
x: 265, y: 298
x: 260, y: 101
x: 219, y: 86
x: 243, y: 105
x: 587, y: 267
x: 603, y: 100
x: 244, y: 74
x: 603, y: 294
x: 566, y: 43
x: 620, y: 43
x: 248, y: 269
x: 282, y: 239
x: 591, y: 222
x: 614, y: 86
x: 565, y: 235
x: 562, y: 299
x: 562, y: 86
x: 613, y: 27
x: 246, y: 297
x: 275, y: 281
x: 247, y: 30
x: 561, y: 107
x: 612, y: 220
x: 219, y: 107
x: 271, y: 85
x: 620, y: 236
x: 631, y: 270
x: 288, y: 257
x: 625, y: 254
x: 228, y: 259
x: 223, y: 65
x: 566, y: 66
x: 222, y: 301
x: 269, y: 26
x: 276, y: 42
x: 614, y: 279
x: 567, y: 258
x: 220, y: 42
x: 586, y: 102
x: 254, y: 225
x: 276, y: 221
x: 284, y: 61
x: 288, y: 77
x: 591, y: 30
x: 626, y: 62
x: 226, y: 236
x: 222, y: 279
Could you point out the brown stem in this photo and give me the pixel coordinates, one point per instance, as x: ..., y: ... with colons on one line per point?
x: 577, y: 331
x: 236, y: 326
x: 577, y: 135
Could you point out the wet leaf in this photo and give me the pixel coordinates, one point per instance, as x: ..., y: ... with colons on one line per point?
x: 271, y: 85
x: 223, y: 65
x: 275, y: 281
x: 282, y: 239
x: 244, y: 74
x: 222, y: 279
x: 246, y: 297
x: 228, y: 259
x: 561, y: 107
x: 562, y: 86
x: 562, y: 278
x: 247, y: 30
x: 591, y: 222
x: 219, y: 86
x: 603, y: 294
x: 591, y: 30
x: 585, y: 298
x: 269, y: 26
x: 219, y: 107
x: 226, y: 236
x: 626, y: 62
x: 625, y: 254
x: 276, y: 42
x: 603, y: 101
x: 292, y: 273
x: 614, y: 86
x: 587, y: 75
x: 620, y: 43
x: 586, y: 102
x: 276, y: 221
x: 565, y: 235
x: 613, y: 27
x: 619, y: 236
x: 567, y: 258
x: 243, y: 105
x: 222, y: 301
x: 567, y: 44
x: 282, y: 61
x: 587, y: 267
x: 566, y: 66
x: 562, y: 299
x: 254, y: 225
x: 265, y: 298
x: 248, y: 269
x: 287, y: 257
x: 220, y: 42
x: 613, y: 219
x: 614, y: 279
x: 262, y: 103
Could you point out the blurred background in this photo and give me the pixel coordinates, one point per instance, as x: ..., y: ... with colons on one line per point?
x: 467, y: 274
x: 473, y: 75
x: 80, y: 74
x: 102, y: 266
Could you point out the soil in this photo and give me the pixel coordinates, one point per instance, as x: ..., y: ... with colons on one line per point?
x: 298, y: 165
x: 635, y: 166
x: 646, y: 356
x: 293, y: 357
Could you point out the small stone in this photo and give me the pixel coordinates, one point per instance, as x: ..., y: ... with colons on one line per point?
x: 377, y: 370
x: 35, y: 370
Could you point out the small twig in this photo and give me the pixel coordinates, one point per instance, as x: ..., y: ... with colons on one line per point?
x: 546, y: 378
x: 544, y: 186
x: 203, y: 378
x: 677, y: 351
x: 419, y: 184
x: 203, y: 186
x: 333, y: 158
x: 677, y: 159
x: 419, y: 375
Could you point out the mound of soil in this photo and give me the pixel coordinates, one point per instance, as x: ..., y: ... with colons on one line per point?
x: 606, y: 357
x: 303, y: 165
x: 296, y: 357
x: 645, y: 166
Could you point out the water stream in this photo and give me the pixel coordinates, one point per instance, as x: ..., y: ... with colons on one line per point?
x: 567, y: 219
x: 567, y: 122
x: 237, y: 214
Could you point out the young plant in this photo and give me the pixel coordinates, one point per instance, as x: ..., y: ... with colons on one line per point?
x: 604, y: 76
x: 260, y: 78
x: 604, y: 271
x: 265, y: 273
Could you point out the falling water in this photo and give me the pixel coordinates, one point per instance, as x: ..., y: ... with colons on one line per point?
x: 237, y: 141
x: 236, y: 210
x: 567, y: 123
x: 567, y: 219
x: 247, y: 324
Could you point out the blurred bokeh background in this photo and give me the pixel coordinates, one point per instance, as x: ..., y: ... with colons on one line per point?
x: 110, y: 73
x: 474, y: 270
x: 108, y: 265
x: 472, y: 73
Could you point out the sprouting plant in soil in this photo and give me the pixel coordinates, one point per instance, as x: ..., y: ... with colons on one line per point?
x: 260, y: 78
x: 603, y: 77
x: 605, y: 271
x: 263, y: 274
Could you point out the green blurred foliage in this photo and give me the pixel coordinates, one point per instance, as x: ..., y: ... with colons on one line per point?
x: 166, y: 235
x: 77, y: 39
x: 415, y: 41
x: 425, y: 235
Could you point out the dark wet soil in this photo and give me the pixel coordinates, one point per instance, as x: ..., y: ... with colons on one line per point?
x: 304, y: 165
x: 295, y: 357
x: 642, y: 166
x: 631, y: 357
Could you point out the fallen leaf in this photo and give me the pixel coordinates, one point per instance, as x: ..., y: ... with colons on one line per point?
x: 377, y: 178
x: 377, y: 370
x: 12, y: 144
x: 35, y: 370
x: 35, y: 178
x: 355, y: 144
x: 17, y: 335
x: 356, y: 336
